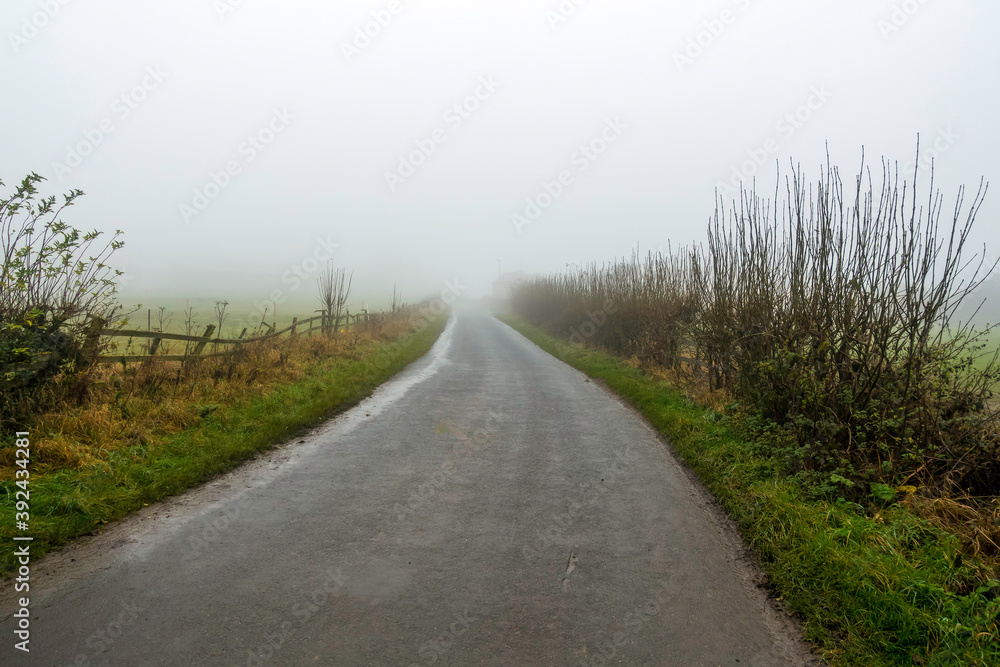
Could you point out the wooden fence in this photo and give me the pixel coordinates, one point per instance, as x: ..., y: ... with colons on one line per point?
x: 194, y: 345
x: 323, y: 323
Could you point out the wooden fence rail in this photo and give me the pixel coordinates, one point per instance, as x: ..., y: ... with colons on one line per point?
x: 323, y: 323
x: 97, y: 330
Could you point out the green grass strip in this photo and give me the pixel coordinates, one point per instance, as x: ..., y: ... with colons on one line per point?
x: 67, y: 503
x: 885, y: 589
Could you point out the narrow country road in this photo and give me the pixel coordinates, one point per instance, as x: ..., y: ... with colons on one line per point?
x: 488, y: 506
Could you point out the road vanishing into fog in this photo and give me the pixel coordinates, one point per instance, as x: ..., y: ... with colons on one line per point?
x: 488, y: 506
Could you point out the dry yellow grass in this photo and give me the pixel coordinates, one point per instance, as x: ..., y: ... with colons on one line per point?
x: 113, y: 408
x: 975, y: 520
x: 690, y: 378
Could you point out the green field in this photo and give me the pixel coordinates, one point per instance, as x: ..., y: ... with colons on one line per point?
x: 993, y: 347
x: 239, y: 314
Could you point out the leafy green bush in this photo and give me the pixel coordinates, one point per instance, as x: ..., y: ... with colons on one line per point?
x: 53, y: 278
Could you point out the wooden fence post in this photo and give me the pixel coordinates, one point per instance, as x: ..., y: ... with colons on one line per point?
x: 206, y: 338
x: 92, y: 342
x: 95, y: 329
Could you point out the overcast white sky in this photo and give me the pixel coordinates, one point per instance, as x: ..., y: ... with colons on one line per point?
x: 139, y: 103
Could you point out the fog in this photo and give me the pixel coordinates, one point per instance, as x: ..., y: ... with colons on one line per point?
x: 242, y: 144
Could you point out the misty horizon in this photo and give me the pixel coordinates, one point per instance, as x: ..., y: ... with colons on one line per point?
x: 414, y: 144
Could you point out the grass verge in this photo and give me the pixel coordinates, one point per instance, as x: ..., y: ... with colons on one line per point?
x: 872, y: 588
x: 71, y: 501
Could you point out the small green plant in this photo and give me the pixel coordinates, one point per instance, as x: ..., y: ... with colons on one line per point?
x: 883, y: 492
x: 52, y: 278
x: 49, y: 266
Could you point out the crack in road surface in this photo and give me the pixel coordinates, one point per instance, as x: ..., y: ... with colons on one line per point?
x: 573, y: 560
x: 360, y: 544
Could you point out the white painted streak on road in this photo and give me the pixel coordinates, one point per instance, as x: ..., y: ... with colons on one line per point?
x: 268, y: 470
x: 396, y: 388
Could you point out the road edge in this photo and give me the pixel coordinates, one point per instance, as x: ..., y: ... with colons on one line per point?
x: 785, y: 626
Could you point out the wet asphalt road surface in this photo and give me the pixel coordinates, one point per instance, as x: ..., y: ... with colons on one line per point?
x: 488, y: 506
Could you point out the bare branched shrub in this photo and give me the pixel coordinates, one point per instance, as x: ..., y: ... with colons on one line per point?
x: 334, y: 290
x: 840, y: 321
x: 831, y: 314
x: 395, y: 301
x: 163, y: 318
